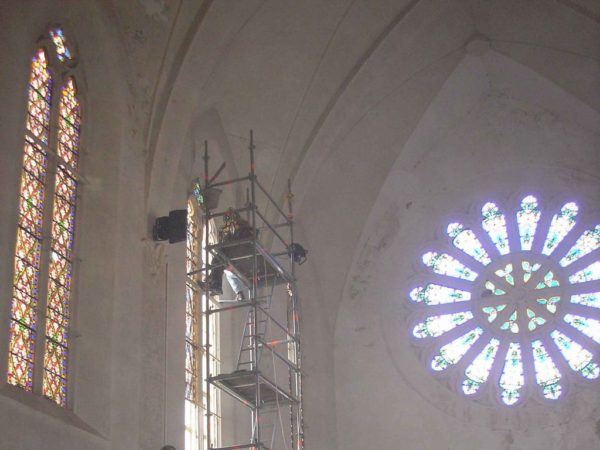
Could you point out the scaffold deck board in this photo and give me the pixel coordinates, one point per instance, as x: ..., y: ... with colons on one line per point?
x: 242, y: 385
x: 240, y: 254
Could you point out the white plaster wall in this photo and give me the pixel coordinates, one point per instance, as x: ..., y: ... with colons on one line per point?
x: 495, y: 130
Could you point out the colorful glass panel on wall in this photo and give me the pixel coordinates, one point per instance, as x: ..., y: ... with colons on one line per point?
x: 61, y: 256
x: 465, y: 240
x: 437, y: 325
x: 587, y: 243
x: 580, y: 359
x: 560, y: 226
x: 445, y: 264
x: 478, y: 371
x: 453, y: 352
x: 60, y: 43
x: 546, y: 372
x: 25, y: 297
x: 527, y: 220
x: 514, y: 301
x: 495, y: 224
x: 512, y: 379
x: 434, y: 294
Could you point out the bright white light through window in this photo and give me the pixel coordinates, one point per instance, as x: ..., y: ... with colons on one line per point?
x: 518, y: 292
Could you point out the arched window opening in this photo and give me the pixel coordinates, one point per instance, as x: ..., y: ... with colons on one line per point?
x: 39, y: 342
x: 195, y: 368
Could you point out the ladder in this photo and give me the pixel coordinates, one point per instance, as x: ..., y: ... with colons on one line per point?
x: 245, y: 361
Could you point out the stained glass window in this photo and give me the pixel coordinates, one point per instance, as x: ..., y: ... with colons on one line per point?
x: 546, y: 373
x: 513, y: 302
x: 445, y: 264
x: 527, y: 219
x: 57, y: 134
x: 495, y: 225
x: 192, y: 331
x: 478, y: 371
x: 61, y: 256
x: 512, y: 379
x: 560, y: 226
x: 506, y: 273
x: 453, y: 352
x: 587, y: 242
x: 437, y: 325
x: 590, y: 273
x: 25, y: 298
x: 434, y: 294
x: 592, y: 299
x: 529, y: 269
x: 579, y: 358
x: 588, y: 326
x: 465, y: 240
x: 60, y: 42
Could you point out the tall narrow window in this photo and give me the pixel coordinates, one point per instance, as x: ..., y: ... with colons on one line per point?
x: 214, y: 356
x: 192, y: 330
x: 42, y: 269
x: 195, y: 367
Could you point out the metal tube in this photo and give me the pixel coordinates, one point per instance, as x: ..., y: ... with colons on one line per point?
x: 254, y: 309
x: 207, y: 306
x: 271, y: 228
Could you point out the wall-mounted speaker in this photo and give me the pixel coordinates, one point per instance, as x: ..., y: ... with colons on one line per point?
x: 172, y: 227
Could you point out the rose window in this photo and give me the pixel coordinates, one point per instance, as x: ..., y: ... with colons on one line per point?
x: 515, y: 300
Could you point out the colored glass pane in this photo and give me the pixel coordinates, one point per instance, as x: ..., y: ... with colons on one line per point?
x: 506, y: 273
x: 550, y: 303
x: 191, y: 305
x: 465, y: 240
x: 495, y: 224
x: 60, y: 43
x: 589, y: 327
x: 452, y: 353
x: 592, y: 299
x: 62, y: 235
x: 478, y: 371
x: 560, y: 226
x: 590, y: 273
x: 434, y: 294
x: 549, y: 281
x: 527, y: 219
x: 587, y: 243
x: 546, y: 372
x: 511, y: 324
x: 23, y: 325
x: 528, y: 270
x: 579, y: 359
x: 492, y: 311
x: 512, y: 379
x: 445, y: 264
x: 533, y: 320
x: 435, y: 326
x: 491, y: 287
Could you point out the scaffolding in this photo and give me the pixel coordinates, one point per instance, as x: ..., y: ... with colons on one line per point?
x: 265, y: 262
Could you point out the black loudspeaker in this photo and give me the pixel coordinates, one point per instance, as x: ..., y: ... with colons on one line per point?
x: 177, y: 225
x: 172, y: 227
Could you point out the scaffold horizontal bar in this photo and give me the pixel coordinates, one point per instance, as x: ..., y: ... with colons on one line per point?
x: 226, y: 182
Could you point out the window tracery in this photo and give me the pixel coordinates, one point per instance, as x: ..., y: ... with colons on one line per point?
x: 42, y: 277
x: 514, y: 306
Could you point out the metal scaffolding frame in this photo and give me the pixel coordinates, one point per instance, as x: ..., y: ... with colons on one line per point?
x: 258, y: 268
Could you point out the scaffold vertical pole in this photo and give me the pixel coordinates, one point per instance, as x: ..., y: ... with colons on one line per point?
x: 206, y: 299
x: 255, y: 343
